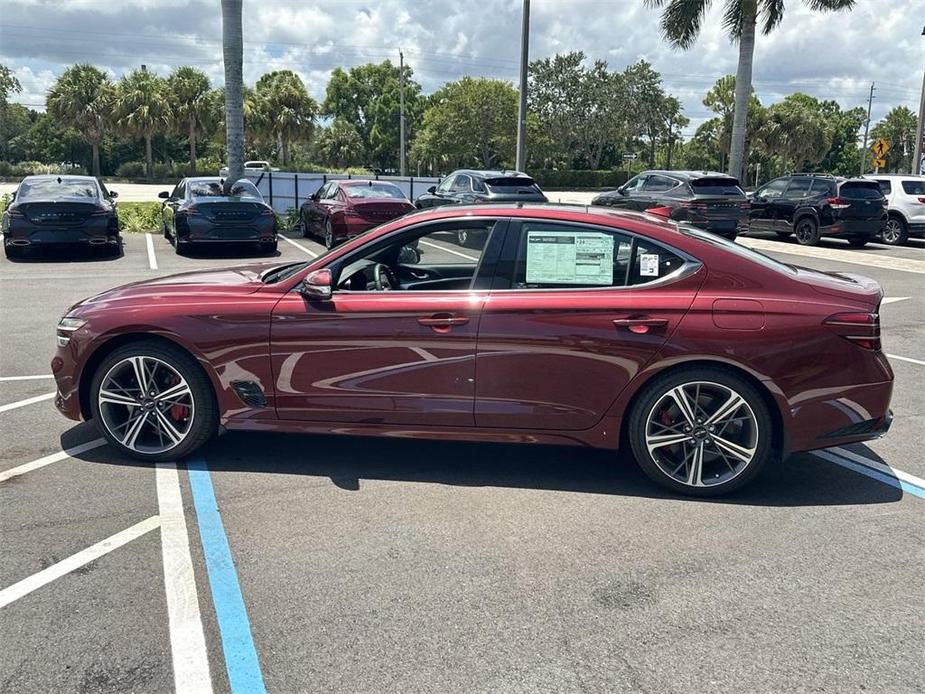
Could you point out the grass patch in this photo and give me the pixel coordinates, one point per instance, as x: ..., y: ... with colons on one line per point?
x: 140, y: 217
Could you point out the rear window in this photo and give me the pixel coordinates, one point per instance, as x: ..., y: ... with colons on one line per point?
x: 374, y: 190
x: 215, y: 189
x: 861, y: 190
x: 885, y: 186
x: 56, y: 189
x: 716, y: 186
x: 512, y: 182
x: 914, y: 187
x: 737, y: 249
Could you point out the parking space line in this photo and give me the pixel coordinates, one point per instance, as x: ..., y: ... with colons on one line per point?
x: 241, y: 662
x: 75, y: 561
x: 908, y: 359
x: 187, y: 639
x: 49, y: 459
x: 875, y: 470
x: 894, y: 299
x: 448, y: 250
x: 27, y: 401
x: 25, y: 378
x: 152, y: 259
x: 302, y: 248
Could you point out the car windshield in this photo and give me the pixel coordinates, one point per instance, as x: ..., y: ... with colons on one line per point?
x: 716, y: 186
x: 861, y: 190
x: 57, y: 188
x: 914, y: 187
x: 215, y: 189
x: 374, y: 190
x: 737, y: 249
x: 510, y: 182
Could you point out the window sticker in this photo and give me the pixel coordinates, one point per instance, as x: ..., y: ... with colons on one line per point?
x: 569, y: 258
x: 648, y: 265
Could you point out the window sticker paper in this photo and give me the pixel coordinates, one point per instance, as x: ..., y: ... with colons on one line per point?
x: 569, y: 258
x: 648, y: 265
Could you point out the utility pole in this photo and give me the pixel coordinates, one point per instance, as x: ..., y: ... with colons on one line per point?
x: 521, y: 163
x: 864, y: 153
x: 918, y: 154
x: 401, y: 120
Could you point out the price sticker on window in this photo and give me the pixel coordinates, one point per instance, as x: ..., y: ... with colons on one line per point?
x: 569, y: 258
x: 648, y: 265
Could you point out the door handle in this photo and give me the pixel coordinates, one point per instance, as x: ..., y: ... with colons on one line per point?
x: 442, y: 323
x: 641, y: 326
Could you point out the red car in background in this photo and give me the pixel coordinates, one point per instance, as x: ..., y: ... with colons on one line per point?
x: 340, y: 210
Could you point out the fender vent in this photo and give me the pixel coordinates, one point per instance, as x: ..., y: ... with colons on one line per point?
x: 250, y: 393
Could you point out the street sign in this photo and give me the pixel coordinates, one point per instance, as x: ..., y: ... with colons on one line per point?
x: 880, y: 147
x: 876, y: 162
x: 630, y: 156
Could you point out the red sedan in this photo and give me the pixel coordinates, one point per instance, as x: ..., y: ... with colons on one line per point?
x: 340, y: 210
x: 563, y: 326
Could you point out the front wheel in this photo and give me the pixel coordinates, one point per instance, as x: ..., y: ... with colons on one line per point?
x: 701, y: 431
x: 269, y: 247
x: 151, y: 401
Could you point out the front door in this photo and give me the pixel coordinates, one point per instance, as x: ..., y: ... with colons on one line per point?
x: 396, y: 342
x: 583, y: 310
x: 761, y: 212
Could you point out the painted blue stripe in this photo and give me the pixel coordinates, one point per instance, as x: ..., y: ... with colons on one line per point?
x: 244, y: 676
x: 872, y: 473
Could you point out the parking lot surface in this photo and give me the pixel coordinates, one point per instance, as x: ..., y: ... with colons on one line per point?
x: 313, y: 563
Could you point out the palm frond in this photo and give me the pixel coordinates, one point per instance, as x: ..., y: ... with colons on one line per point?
x: 681, y: 20
x: 770, y: 14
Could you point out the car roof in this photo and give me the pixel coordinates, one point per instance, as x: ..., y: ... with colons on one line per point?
x: 490, y: 173
x: 688, y: 175
x: 914, y: 177
x: 56, y: 176
x: 361, y: 182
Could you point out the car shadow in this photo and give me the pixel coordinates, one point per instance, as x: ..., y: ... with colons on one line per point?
x: 229, y: 251
x: 73, y: 254
x: 803, y: 480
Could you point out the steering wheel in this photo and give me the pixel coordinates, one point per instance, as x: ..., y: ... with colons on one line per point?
x: 383, y: 279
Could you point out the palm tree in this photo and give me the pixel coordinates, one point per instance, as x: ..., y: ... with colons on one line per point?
x: 191, y: 106
x: 681, y: 20
x: 233, y: 53
x: 82, y: 98
x: 141, y: 109
x: 284, y: 110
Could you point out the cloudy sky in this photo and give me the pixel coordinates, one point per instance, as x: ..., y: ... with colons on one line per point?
x: 827, y: 55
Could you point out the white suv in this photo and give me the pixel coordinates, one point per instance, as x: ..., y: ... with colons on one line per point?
x: 905, y: 195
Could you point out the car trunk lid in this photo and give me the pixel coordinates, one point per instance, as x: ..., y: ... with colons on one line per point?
x: 380, y: 210
x: 58, y: 213
x: 227, y: 210
x: 858, y: 201
x: 848, y: 287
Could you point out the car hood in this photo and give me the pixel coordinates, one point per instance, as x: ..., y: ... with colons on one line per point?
x: 195, y: 286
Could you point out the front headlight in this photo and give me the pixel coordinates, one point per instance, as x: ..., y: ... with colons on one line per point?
x: 66, y: 326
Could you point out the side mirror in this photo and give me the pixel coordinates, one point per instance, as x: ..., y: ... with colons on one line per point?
x: 113, y: 194
x: 313, y: 196
x: 409, y: 256
x: 317, y: 285
x: 164, y: 195
x: 622, y: 190
x: 432, y: 190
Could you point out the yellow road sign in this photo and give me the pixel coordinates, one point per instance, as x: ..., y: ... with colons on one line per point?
x: 877, y: 162
x: 880, y: 147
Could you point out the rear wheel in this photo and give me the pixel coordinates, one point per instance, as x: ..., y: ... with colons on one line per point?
x: 701, y: 431
x: 895, y: 232
x: 807, y: 231
x: 858, y: 242
x: 269, y: 247
x: 153, y: 402
x: 303, y: 227
x: 328, y: 234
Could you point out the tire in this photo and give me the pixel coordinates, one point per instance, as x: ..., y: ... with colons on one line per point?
x: 194, y: 425
x: 807, y: 231
x: 858, y: 242
x: 303, y: 227
x: 270, y: 247
x: 329, y: 241
x: 181, y: 247
x: 746, y: 449
x: 895, y: 233
x: 165, y: 230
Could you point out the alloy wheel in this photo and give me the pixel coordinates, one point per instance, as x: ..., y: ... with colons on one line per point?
x: 892, y: 231
x: 146, y: 404
x: 806, y: 232
x: 702, y: 434
x: 328, y: 235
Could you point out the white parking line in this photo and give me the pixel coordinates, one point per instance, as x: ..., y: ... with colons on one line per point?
x: 25, y: 378
x: 837, y: 255
x: 877, y: 465
x: 302, y: 248
x: 908, y: 359
x: 152, y: 259
x: 448, y: 250
x: 187, y: 640
x: 75, y: 561
x: 49, y: 459
x: 894, y: 299
x: 27, y: 401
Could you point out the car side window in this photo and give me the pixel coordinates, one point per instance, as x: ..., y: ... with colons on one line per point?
x: 914, y: 187
x: 331, y: 192
x: 772, y: 190
x: 478, y: 185
x: 565, y: 256
x: 446, y: 184
x: 820, y: 187
x: 635, y: 183
x: 885, y: 185
x: 462, y: 184
x: 179, y: 192
x: 658, y: 184
x: 799, y: 187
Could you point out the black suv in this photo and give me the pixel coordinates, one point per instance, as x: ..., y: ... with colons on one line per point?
x: 467, y: 186
x: 815, y: 205
x: 706, y: 199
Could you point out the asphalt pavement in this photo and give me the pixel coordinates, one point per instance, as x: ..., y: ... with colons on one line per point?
x: 374, y: 565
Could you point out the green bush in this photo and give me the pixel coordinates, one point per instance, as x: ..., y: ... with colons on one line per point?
x: 32, y: 168
x: 131, y: 169
x: 577, y: 178
x: 5, y: 201
x: 6, y: 169
x: 135, y: 217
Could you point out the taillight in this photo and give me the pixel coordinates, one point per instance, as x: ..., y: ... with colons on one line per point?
x: 863, y: 329
x: 15, y: 213
x: 693, y: 206
x: 266, y: 211
x: 922, y: 200
x: 745, y: 205
x: 101, y: 212
x: 838, y: 203
x: 192, y: 210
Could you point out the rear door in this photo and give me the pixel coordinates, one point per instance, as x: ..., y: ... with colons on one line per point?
x: 653, y: 191
x: 574, y: 313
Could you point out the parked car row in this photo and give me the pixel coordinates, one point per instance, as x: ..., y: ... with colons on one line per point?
x: 67, y: 210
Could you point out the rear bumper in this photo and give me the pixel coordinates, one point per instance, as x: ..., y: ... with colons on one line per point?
x: 866, y: 228
x: 204, y: 231
x: 60, y: 237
